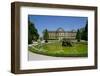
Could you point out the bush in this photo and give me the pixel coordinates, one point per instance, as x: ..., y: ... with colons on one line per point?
x: 66, y: 42
x: 46, y: 41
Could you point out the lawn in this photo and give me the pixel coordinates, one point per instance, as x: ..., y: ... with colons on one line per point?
x: 79, y: 49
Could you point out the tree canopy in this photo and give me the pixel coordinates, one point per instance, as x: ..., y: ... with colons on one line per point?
x: 82, y: 33
x: 78, y: 35
x: 32, y: 32
x: 45, y: 35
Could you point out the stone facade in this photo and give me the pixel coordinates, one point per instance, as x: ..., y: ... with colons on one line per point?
x: 60, y: 34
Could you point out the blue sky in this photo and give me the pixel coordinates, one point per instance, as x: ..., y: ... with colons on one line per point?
x: 51, y: 23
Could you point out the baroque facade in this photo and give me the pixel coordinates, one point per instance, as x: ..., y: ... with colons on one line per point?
x: 60, y: 34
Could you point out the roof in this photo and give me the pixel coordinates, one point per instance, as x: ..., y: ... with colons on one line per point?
x: 60, y: 29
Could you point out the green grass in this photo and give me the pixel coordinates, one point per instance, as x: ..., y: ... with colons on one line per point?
x: 56, y: 49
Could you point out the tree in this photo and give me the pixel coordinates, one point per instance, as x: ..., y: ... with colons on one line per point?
x: 78, y: 35
x: 45, y: 35
x: 84, y: 33
x: 29, y: 38
x: 32, y: 32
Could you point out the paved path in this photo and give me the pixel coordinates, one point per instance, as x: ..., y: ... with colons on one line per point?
x: 34, y: 56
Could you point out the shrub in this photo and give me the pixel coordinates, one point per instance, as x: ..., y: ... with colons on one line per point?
x: 66, y: 42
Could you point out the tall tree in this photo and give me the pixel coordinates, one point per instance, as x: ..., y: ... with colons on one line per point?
x: 84, y: 33
x: 32, y: 32
x: 45, y: 35
x: 78, y: 35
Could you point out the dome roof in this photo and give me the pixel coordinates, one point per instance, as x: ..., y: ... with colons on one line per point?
x: 60, y: 30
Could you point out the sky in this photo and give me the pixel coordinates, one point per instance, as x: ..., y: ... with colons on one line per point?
x: 52, y: 23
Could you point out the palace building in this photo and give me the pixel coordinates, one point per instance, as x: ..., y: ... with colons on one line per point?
x: 60, y: 34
